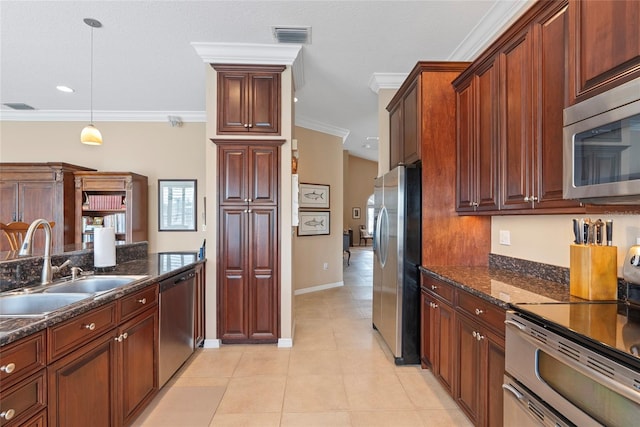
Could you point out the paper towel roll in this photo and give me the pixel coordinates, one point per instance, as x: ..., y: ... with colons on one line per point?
x: 104, y: 247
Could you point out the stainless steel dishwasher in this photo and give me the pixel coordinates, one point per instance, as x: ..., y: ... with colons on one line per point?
x: 176, y: 323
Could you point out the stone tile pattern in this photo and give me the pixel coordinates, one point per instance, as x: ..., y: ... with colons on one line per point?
x: 338, y: 373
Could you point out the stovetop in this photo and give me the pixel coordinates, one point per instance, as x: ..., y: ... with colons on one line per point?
x: 615, y: 326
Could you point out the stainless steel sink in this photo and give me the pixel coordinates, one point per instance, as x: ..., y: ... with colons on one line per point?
x: 92, y: 284
x: 34, y: 305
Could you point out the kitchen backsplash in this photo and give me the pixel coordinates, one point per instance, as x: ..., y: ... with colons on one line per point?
x: 22, y: 272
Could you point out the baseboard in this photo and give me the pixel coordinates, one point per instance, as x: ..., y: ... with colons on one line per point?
x: 318, y: 288
x: 285, y: 342
x: 211, y: 343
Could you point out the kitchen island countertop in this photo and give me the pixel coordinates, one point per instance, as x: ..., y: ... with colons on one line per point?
x: 157, y: 266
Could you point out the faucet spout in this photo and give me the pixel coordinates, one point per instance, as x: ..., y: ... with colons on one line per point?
x: 27, y: 247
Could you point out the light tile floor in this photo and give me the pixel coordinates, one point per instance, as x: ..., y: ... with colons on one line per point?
x: 338, y: 373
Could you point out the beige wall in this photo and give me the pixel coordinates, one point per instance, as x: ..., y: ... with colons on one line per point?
x: 320, y: 162
x: 152, y: 149
x: 546, y: 238
x: 358, y: 186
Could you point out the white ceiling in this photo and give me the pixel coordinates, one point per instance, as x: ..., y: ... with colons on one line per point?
x: 145, y: 67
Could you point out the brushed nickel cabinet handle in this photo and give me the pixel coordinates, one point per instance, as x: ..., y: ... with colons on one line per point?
x: 8, y: 414
x: 142, y: 301
x: 8, y: 368
x: 91, y: 326
x: 479, y: 312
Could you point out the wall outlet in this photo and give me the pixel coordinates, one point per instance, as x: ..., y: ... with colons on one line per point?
x: 505, y: 237
x: 325, y: 266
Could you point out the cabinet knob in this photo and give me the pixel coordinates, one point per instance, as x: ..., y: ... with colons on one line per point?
x: 91, y: 326
x: 479, y: 312
x: 246, y: 125
x: 8, y: 414
x: 125, y: 336
x: 435, y: 305
x: 8, y: 368
x: 250, y: 125
x: 434, y: 287
x: 142, y: 301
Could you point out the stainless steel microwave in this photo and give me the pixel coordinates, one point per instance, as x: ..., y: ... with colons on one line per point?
x: 601, y: 147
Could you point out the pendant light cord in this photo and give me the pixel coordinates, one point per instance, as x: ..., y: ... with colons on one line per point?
x: 91, y: 78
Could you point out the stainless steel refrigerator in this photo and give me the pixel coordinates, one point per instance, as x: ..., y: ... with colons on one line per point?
x: 396, y: 245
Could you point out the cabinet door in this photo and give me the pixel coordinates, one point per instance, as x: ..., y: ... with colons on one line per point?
x: 233, y: 174
x: 263, y: 175
x: 468, y: 360
x: 264, y: 103
x: 82, y: 386
x: 199, y: 326
x: 138, y: 363
x: 412, y: 120
x: 604, y: 45
x: 263, y: 287
x: 445, y: 344
x: 395, y: 136
x: 8, y: 202
x: 486, y: 147
x: 233, y: 101
x: 232, y: 273
x: 37, y: 200
x: 516, y: 126
x: 551, y: 35
x: 493, y: 377
x: 426, y: 326
x: 465, y: 167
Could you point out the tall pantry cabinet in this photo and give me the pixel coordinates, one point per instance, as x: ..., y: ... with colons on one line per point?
x: 248, y: 170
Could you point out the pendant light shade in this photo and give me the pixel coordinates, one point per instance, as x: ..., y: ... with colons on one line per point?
x: 90, y: 135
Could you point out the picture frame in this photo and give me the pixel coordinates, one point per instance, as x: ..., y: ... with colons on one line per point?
x: 177, y: 204
x: 314, y: 223
x: 355, y: 213
x: 313, y: 196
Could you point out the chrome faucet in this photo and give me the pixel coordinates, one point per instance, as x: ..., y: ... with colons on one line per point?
x: 27, y: 249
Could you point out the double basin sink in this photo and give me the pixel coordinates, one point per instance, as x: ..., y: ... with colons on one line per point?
x: 43, y: 300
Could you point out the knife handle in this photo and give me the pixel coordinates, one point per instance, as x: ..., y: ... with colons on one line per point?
x: 609, y: 231
x: 576, y: 232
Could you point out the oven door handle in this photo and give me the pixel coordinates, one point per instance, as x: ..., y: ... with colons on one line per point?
x: 516, y: 324
x: 513, y: 391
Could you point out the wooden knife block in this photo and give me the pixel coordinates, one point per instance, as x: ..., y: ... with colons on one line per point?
x: 593, y: 272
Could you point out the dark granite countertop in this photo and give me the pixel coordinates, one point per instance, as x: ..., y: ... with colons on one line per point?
x: 501, y: 287
x: 157, y: 266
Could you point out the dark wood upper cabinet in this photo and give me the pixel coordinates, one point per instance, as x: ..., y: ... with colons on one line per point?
x: 510, y: 106
x: 604, y: 45
x: 29, y: 191
x: 248, y: 99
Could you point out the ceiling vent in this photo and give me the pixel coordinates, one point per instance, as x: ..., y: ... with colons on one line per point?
x: 297, y: 35
x: 18, y: 106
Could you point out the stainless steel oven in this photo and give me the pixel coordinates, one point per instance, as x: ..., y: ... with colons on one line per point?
x: 571, y: 377
x: 601, y: 150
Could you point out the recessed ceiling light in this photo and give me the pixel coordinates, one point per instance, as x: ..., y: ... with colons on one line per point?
x: 65, y: 89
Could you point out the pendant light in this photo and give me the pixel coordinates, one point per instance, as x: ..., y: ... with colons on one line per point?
x: 90, y: 134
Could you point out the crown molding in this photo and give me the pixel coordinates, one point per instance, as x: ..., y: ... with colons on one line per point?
x: 100, y: 116
x: 386, y: 81
x: 254, y: 53
x: 493, y: 23
x: 322, y: 127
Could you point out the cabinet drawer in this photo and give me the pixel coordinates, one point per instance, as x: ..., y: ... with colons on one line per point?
x: 39, y: 420
x: 81, y: 329
x: 482, y: 310
x: 23, y: 400
x: 22, y: 358
x: 138, y: 302
x: 437, y: 287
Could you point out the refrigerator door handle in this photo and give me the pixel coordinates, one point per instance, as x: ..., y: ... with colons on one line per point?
x: 383, y: 235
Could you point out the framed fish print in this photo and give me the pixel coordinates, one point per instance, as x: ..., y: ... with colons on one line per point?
x: 313, y: 223
x: 313, y: 196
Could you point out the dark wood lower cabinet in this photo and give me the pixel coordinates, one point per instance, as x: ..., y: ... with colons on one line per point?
x: 463, y: 344
x: 82, y: 385
x: 199, y: 325
x: 138, y: 362
x: 109, y: 380
x: 40, y: 420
